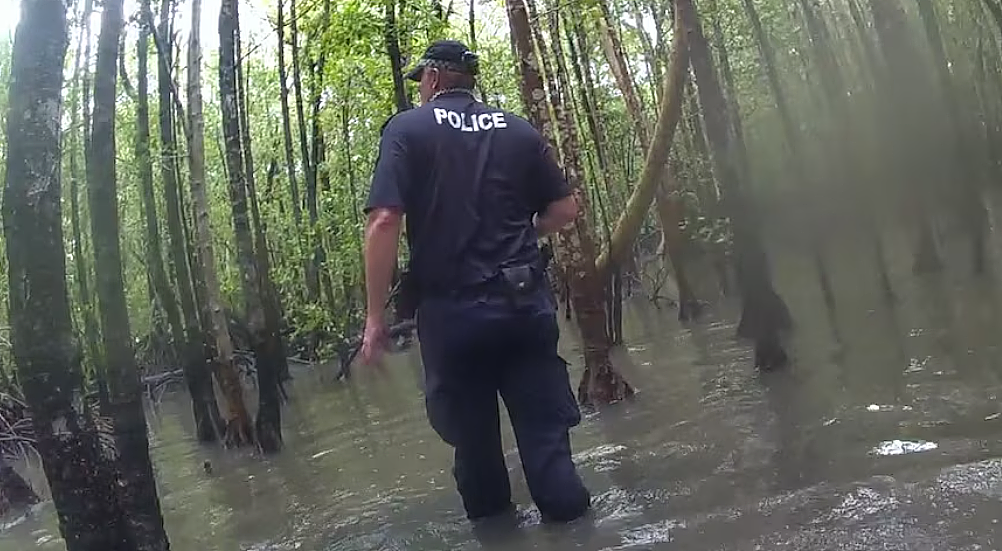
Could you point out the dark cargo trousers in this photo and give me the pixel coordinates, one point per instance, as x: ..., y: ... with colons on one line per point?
x: 476, y: 348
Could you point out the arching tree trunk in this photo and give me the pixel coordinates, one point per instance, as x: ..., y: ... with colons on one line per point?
x: 764, y: 314
x: 673, y: 240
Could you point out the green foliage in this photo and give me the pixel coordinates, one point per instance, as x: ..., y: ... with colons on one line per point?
x: 355, y: 93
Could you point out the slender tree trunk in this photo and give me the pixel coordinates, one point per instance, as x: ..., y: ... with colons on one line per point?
x: 729, y: 90
x: 900, y: 80
x: 136, y: 485
x: 312, y: 276
x: 794, y: 139
x: 964, y: 162
x: 843, y: 168
x: 238, y: 424
x: 764, y: 314
x: 290, y: 158
x: 400, y: 97
x: 600, y: 382
x: 154, y: 258
x: 995, y: 7
x: 272, y: 314
x: 650, y: 54
x: 613, y: 48
x: 197, y: 374
x: 48, y: 363
x: 269, y: 435
x: 91, y: 332
x: 319, y: 259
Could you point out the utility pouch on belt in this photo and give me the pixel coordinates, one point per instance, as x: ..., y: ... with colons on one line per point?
x: 520, y: 284
x: 519, y: 280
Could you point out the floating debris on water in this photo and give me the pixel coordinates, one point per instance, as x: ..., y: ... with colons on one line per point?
x: 901, y: 447
x: 875, y: 407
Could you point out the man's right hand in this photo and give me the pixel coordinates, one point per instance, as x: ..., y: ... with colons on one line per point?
x: 558, y: 214
x: 374, y: 341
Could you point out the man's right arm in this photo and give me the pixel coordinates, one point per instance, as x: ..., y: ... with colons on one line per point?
x: 558, y: 206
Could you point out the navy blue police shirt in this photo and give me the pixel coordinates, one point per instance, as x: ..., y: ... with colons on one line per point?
x: 469, y: 179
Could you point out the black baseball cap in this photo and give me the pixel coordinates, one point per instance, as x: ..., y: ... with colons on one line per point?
x: 448, y: 54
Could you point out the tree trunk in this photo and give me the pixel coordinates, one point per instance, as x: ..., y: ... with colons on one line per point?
x: 272, y: 380
x: 400, y: 97
x: 290, y: 158
x: 900, y: 79
x: 48, y: 363
x: 730, y: 97
x: 91, y: 331
x: 630, y: 221
x: 666, y: 204
x: 843, y: 168
x: 312, y: 276
x: 613, y: 48
x: 136, y: 485
x: 197, y: 375
x: 794, y: 139
x: 238, y: 424
x: 764, y: 314
x: 964, y: 162
x: 651, y: 58
x: 600, y: 382
x: 154, y: 258
x: 269, y: 435
x: 319, y: 255
x: 15, y: 493
x: 995, y: 7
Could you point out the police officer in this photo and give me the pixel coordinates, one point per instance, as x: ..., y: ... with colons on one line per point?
x: 478, y: 186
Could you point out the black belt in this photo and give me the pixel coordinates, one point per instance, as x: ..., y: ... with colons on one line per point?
x: 487, y: 286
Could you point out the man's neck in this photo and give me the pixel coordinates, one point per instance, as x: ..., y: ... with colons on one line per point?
x: 452, y: 92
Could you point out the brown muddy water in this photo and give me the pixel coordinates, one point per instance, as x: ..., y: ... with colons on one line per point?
x: 886, y: 433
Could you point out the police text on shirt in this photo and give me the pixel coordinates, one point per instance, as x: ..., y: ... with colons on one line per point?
x: 475, y: 123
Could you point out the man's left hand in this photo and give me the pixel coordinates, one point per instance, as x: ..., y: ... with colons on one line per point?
x: 374, y: 341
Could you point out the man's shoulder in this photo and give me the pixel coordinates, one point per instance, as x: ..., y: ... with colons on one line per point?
x: 400, y: 121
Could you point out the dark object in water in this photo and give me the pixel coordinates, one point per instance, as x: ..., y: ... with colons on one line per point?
x: 15, y: 492
x: 395, y: 331
x: 769, y: 354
